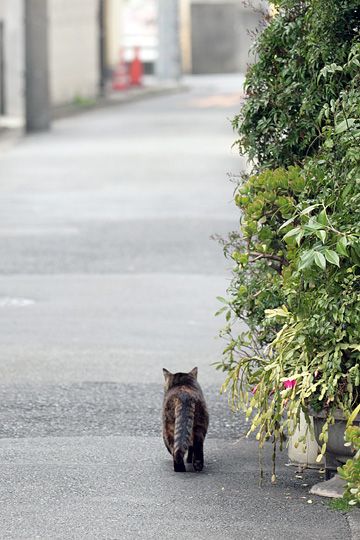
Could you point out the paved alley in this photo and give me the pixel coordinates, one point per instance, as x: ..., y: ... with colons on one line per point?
x: 108, y: 273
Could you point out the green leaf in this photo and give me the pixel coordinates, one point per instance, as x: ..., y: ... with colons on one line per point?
x: 277, y: 312
x: 299, y: 237
x: 344, y: 125
x: 241, y: 258
x: 313, y: 226
x: 320, y: 260
x: 332, y: 257
x: 341, y: 246
x: 309, y: 209
x: 306, y: 259
x: 322, y: 235
x: 293, y: 232
x: 346, y: 191
x: 322, y: 217
x: 287, y: 223
x: 353, y: 415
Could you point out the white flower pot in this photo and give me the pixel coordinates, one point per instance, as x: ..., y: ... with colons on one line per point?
x: 299, y: 456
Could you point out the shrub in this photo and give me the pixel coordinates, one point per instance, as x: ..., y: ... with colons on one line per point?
x: 351, y: 470
x: 296, y: 279
x: 284, y: 95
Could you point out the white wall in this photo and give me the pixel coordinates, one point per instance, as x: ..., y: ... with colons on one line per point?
x: 114, y: 30
x: 73, y: 49
x: 11, y: 12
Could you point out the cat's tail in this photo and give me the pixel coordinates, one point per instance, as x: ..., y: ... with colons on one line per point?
x: 184, y: 421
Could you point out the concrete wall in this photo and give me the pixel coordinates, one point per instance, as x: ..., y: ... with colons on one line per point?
x: 73, y: 50
x: 220, y: 35
x: 11, y: 13
x: 114, y: 31
x: 185, y: 35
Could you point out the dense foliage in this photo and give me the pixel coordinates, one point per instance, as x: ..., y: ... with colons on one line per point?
x: 296, y: 279
x: 351, y: 470
x: 278, y: 125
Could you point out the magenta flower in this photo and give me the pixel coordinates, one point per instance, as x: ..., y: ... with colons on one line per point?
x: 290, y: 383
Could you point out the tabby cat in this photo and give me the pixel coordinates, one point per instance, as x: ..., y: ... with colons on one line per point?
x: 185, y: 419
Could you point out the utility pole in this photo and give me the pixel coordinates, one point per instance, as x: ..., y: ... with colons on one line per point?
x: 2, y: 68
x: 37, y: 100
x: 168, y: 66
x: 102, y: 47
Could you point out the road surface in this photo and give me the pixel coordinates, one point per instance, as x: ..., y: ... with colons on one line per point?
x: 108, y: 274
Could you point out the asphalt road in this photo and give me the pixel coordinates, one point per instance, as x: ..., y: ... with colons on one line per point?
x: 108, y: 274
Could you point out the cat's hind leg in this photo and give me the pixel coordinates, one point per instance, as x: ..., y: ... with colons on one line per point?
x: 190, y: 454
x: 198, y: 455
x: 179, y: 465
x: 168, y: 436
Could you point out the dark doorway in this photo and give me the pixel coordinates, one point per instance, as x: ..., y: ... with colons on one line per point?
x: 221, y: 34
x: 213, y: 37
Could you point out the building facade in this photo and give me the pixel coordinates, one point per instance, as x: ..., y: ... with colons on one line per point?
x: 12, y: 63
x: 73, y: 43
x: 217, y: 34
x: 84, y: 37
x: 74, y: 60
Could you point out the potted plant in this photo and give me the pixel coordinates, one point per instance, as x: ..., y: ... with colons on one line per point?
x: 337, y: 452
x: 296, y: 256
x: 350, y: 471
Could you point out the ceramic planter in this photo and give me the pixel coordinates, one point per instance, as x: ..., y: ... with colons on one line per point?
x: 300, y: 456
x: 336, y: 453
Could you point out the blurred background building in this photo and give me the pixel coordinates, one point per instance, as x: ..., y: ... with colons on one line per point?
x: 11, y: 58
x: 220, y: 36
x: 74, y: 41
x: 54, y: 52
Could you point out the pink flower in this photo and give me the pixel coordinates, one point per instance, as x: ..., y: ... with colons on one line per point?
x: 253, y: 391
x: 290, y: 383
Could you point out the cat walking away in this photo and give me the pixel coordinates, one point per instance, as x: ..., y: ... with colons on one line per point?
x: 185, y: 419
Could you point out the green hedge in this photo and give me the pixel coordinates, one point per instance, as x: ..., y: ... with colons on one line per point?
x: 279, y: 124
x: 296, y: 279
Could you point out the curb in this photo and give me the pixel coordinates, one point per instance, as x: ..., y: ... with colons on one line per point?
x: 354, y: 523
x: 333, y: 488
x: 129, y: 96
x: 9, y: 137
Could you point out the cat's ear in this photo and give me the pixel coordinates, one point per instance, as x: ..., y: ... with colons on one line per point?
x: 166, y: 373
x: 194, y: 372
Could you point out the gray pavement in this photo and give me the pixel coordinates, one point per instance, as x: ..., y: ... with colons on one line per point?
x: 108, y: 274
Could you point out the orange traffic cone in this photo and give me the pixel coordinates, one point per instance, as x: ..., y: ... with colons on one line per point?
x: 136, y: 69
x: 120, y: 79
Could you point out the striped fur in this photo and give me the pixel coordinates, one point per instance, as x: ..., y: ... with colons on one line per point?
x: 185, y: 419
